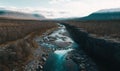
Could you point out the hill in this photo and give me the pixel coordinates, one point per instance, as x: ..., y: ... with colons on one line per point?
x: 20, y: 15
x: 105, y: 14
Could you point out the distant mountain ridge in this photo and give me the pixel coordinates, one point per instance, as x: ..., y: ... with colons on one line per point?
x: 109, y: 10
x: 105, y: 14
x: 20, y: 15
x: 47, y: 13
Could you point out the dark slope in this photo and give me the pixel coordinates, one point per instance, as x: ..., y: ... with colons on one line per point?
x: 99, y: 16
x: 103, y: 16
x: 106, y: 14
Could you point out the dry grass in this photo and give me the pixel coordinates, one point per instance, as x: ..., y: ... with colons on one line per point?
x: 15, y: 29
x: 16, y: 54
x: 17, y: 41
x: 109, y: 28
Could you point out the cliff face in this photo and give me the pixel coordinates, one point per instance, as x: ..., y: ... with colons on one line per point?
x: 103, y: 52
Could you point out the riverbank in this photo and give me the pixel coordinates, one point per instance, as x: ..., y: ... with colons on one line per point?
x: 106, y: 29
x: 61, y: 60
x: 37, y: 51
x: 104, y: 53
x: 15, y: 55
x: 59, y: 42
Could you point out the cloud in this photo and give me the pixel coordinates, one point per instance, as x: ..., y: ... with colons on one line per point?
x: 74, y: 7
x: 58, y: 1
x: 70, y: 8
x: 48, y: 13
x: 78, y: 8
x: 84, y: 7
x: 1, y: 4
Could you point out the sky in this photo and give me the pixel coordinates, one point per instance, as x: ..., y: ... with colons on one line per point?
x: 62, y: 8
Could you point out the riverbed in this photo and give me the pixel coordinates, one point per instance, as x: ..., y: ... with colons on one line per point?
x: 58, y: 52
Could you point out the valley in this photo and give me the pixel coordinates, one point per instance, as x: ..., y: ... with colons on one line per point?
x: 76, y: 44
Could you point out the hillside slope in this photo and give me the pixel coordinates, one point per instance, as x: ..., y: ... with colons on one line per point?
x: 20, y: 15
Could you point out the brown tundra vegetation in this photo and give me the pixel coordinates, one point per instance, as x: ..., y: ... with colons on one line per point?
x: 17, y: 41
x: 104, y: 28
x: 14, y: 29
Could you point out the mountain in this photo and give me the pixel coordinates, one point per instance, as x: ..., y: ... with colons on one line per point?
x: 108, y: 14
x: 105, y: 14
x: 109, y: 10
x: 20, y: 15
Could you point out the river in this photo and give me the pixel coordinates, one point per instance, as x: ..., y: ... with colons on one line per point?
x: 61, y: 44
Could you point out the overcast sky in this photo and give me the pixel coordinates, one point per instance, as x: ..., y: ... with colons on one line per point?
x: 74, y: 7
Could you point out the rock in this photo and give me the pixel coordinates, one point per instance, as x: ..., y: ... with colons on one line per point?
x: 43, y: 55
x: 41, y: 66
x: 78, y: 58
x: 67, y: 58
x: 82, y: 66
x: 44, y: 59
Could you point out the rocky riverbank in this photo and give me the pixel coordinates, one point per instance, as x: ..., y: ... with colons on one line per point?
x: 83, y: 61
x: 106, y: 54
x: 22, y: 54
x: 50, y: 52
x: 75, y: 60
